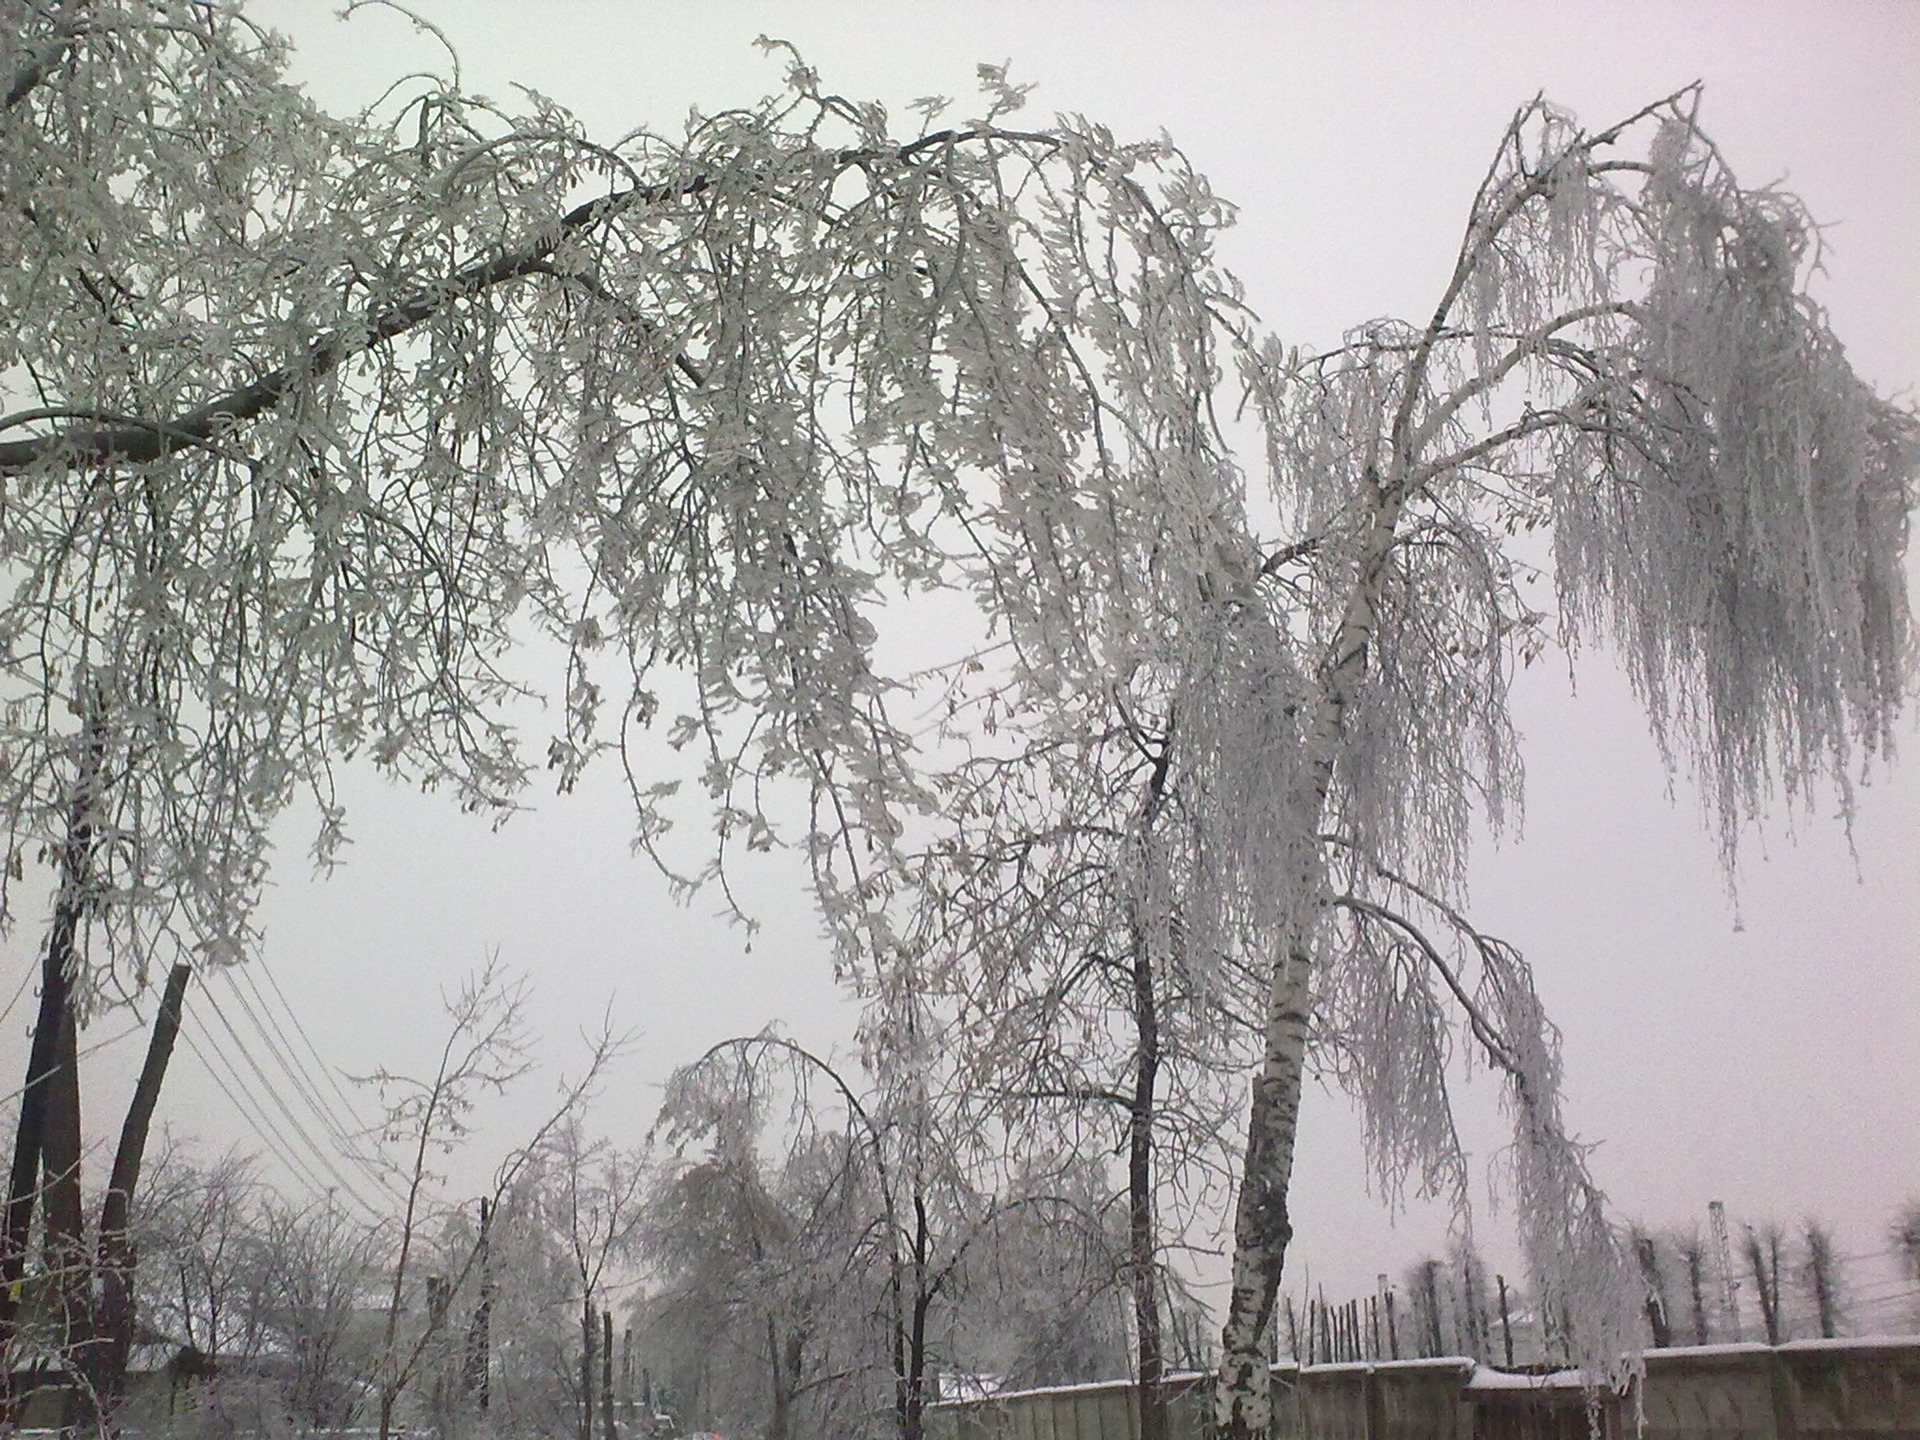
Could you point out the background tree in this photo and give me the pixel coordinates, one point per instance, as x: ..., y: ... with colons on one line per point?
x: 765, y: 1247
x: 322, y: 1270
x: 324, y: 408
x: 856, y: 1245
x: 590, y: 1195
x: 1903, y: 1235
x: 1653, y: 1280
x: 1055, y: 910
x: 1046, y: 1298
x: 196, y: 1249
x: 531, y: 1368
x: 1820, y: 1275
x: 1762, y: 1253
x: 485, y: 1050
x: 1695, y: 1268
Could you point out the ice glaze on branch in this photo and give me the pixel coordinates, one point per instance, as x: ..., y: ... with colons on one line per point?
x: 136, y: 441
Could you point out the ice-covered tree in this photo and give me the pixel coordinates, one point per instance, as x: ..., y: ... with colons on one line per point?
x: 1088, y: 1011
x: 317, y: 417
x: 770, y: 1237
x: 310, y: 419
x: 851, y: 1235
x: 1624, y: 358
x: 588, y: 1194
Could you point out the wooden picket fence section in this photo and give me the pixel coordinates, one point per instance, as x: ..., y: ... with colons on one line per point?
x: 1867, y: 1389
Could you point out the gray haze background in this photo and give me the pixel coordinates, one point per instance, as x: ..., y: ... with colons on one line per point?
x: 1766, y: 1053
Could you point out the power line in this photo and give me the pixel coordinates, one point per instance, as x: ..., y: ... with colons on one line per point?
x: 321, y: 1153
x: 250, y: 1111
x: 81, y: 1054
x: 327, y: 1070
x: 25, y: 980
x: 302, y: 1082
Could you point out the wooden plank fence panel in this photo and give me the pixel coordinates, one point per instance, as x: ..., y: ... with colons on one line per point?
x: 1423, y: 1400
x: 1336, y: 1407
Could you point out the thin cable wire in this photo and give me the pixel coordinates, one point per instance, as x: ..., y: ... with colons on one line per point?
x: 323, y: 1154
x: 81, y: 1054
x: 25, y: 980
x: 251, y: 1112
x: 320, y: 1152
x: 348, y: 1143
x: 327, y: 1070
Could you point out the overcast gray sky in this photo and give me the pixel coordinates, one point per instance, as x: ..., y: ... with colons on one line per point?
x: 1771, y: 1064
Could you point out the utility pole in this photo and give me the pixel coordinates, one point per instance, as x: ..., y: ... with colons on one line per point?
x: 1717, y: 1218
x: 480, y: 1328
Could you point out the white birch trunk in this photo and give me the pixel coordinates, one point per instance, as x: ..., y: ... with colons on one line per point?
x: 1261, y: 1229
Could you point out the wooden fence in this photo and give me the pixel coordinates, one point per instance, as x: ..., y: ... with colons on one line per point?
x: 1808, y: 1390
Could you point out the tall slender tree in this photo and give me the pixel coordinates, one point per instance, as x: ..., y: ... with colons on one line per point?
x: 1625, y: 358
x: 1054, y: 911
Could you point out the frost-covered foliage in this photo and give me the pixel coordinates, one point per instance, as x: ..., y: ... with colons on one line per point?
x: 320, y: 416
x: 316, y: 420
x: 843, y: 1243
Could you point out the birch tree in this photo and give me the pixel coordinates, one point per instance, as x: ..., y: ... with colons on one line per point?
x: 1624, y: 358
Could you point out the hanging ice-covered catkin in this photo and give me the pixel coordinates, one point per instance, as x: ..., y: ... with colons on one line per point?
x: 1738, y: 516
x: 1378, y: 989
x: 1587, y: 1294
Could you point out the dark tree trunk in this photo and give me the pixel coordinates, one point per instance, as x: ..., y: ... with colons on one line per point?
x: 46, y: 1152
x: 114, y: 1329
x: 31, y: 1131
x: 1820, y: 1278
x: 589, y: 1342
x: 1430, y: 1306
x: 608, y: 1425
x: 46, y: 1058
x: 1697, y: 1290
x: 911, y: 1381
x: 917, y: 1359
x: 1765, y: 1263
x: 779, y: 1420
x: 1143, y: 1257
x: 1645, y: 1251
x: 68, y: 1261
x: 480, y: 1330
